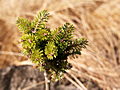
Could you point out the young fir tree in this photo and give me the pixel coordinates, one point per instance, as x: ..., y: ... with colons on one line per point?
x: 47, y: 48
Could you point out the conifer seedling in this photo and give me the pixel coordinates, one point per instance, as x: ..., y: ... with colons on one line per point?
x: 48, y: 48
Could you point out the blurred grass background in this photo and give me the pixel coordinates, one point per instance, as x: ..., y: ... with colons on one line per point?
x: 96, y: 20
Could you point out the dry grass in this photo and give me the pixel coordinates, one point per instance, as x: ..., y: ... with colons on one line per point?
x: 97, y: 20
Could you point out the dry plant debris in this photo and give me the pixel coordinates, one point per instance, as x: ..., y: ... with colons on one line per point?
x: 98, y: 20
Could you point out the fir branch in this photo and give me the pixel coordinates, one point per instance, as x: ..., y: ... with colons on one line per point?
x: 24, y: 25
x: 40, y: 19
x: 46, y: 48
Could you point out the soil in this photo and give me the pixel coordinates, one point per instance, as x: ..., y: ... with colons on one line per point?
x: 25, y: 77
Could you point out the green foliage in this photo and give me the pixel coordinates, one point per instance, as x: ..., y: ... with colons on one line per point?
x: 49, y: 49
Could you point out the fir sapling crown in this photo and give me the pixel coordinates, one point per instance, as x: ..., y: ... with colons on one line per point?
x: 47, y: 48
